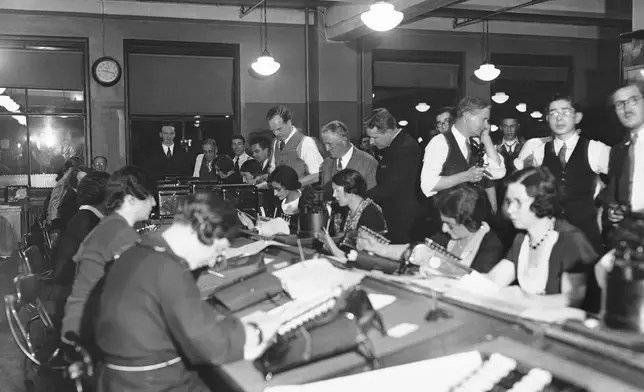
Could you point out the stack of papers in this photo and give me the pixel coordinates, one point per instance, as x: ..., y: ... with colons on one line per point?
x: 315, y: 276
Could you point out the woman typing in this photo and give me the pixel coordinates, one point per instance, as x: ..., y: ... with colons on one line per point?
x: 288, y: 189
x: 552, y: 258
x: 349, y: 190
x: 462, y: 209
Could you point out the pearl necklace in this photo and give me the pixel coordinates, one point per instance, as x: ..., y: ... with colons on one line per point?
x: 538, y: 244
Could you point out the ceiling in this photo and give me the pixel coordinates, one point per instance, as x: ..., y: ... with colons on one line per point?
x: 295, y: 4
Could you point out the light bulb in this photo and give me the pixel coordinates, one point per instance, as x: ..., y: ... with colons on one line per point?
x: 382, y: 16
x: 487, y: 72
x: 403, y: 123
x: 536, y: 114
x: 265, y: 64
x: 522, y: 107
x: 422, y: 107
x: 493, y: 128
x: 500, y: 98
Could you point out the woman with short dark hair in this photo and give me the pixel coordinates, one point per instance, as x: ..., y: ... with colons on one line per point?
x: 463, y: 209
x: 288, y: 189
x: 552, y: 258
x: 349, y: 189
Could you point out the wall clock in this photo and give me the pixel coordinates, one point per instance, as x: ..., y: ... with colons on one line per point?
x: 106, y: 71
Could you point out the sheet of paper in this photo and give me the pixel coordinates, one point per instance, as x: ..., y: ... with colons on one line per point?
x: 477, y: 283
x: 316, y: 275
x: 251, y: 249
x: 442, y: 374
x: 379, y: 301
x: 401, y: 330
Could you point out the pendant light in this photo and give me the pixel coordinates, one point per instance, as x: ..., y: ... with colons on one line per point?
x: 487, y: 72
x: 382, y: 16
x: 403, y: 123
x: 422, y: 107
x: 536, y: 114
x: 500, y: 98
x: 265, y: 64
x: 522, y: 107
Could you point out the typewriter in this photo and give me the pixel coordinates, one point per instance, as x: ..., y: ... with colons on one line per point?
x: 321, y: 326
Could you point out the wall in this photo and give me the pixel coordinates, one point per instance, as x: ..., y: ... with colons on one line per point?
x: 107, y: 104
x: 638, y: 15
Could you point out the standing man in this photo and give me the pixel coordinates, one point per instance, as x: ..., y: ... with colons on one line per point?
x: 576, y: 162
x: 238, y: 145
x: 509, y: 149
x: 396, y: 191
x: 451, y: 158
x: 168, y: 159
x: 343, y: 155
x: 205, y: 163
x: 626, y: 174
x: 292, y: 148
x: 444, y: 119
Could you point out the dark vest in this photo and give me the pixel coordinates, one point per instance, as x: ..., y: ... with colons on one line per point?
x: 508, y: 158
x: 576, y: 181
x: 289, y: 156
x: 455, y: 162
x: 205, y: 174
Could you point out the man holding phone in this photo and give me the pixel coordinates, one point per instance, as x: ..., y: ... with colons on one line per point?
x: 465, y: 153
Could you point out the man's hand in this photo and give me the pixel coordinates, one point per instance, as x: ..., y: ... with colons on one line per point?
x: 474, y: 174
x: 615, y: 214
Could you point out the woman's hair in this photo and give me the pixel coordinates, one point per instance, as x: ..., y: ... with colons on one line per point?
x: 351, y: 181
x: 92, y: 188
x: 541, y: 185
x: 129, y: 180
x: 464, y: 203
x: 286, y: 177
x: 209, y: 215
x: 224, y: 164
x: 251, y: 166
x: 72, y: 177
x: 69, y: 163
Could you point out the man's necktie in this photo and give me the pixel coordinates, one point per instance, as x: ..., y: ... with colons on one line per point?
x: 562, y: 155
x: 282, y: 144
x: 339, y: 164
x: 168, y: 153
x: 236, y: 163
x: 476, y: 153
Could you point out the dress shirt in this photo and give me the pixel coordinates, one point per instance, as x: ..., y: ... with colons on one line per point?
x: 598, y: 153
x: 510, y: 145
x: 345, y: 158
x: 166, y: 148
x: 637, y: 196
x: 436, y: 154
x: 197, y: 169
x: 309, y: 153
x: 528, y: 149
x: 242, y: 159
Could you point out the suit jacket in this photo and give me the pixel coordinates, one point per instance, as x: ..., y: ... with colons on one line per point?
x: 397, y: 191
x: 161, y: 166
x: 360, y: 161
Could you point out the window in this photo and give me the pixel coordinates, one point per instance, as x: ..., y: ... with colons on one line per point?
x: 42, y: 110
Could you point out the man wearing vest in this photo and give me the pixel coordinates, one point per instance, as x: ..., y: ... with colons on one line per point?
x: 626, y: 173
x: 576, y: 161
x: 292, y: 148
x: 451, y: 158
x: 205, y: 163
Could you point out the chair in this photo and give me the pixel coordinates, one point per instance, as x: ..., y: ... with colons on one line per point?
x: 36, y: 263
x: 71, y: 362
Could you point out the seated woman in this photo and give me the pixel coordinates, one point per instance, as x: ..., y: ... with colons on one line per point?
x: 90, y: 198
x: 288, y: 189
x: 225, y: 169
x: 552, y: 258
x: 153, y: 328
x: 349, y: 189
x: 462, y: 209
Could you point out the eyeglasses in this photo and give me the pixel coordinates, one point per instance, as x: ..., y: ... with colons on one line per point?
x: 632, y: 101
x: 443, y: 123
x: 567, y: 112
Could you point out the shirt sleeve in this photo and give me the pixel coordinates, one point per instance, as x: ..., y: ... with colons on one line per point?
x: 197, y: 168
x: 526, y: 156
x: 598, y: 157
x: 496, y: 170
x: 311, y: 155
x: 435, y: 156
x: 202, y: 334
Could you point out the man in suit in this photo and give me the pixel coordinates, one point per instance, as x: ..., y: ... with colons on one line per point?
x: 343, y: 155
x: 626, y: 169
x: 396, y: 191
x: 261, y: 149
x: 204, y: 168
x: 238, y: 145
x: 168, y: 159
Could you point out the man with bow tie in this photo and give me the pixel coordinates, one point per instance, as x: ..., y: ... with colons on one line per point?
x: 625, y: 188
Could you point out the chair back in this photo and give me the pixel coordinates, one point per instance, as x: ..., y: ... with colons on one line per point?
x: 24, y: 267
x: 37, y: 263
x: 18, y: 328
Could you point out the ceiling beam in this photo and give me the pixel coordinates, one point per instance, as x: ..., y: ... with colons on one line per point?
x: 342, y: 22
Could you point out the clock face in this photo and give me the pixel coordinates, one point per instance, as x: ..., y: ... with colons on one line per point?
x: 107, y: 71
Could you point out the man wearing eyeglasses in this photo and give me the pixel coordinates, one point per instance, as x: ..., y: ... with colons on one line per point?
x: 576, y: 161
x: 444, y: 119
x: 292, y: 148
x: 625, y: 190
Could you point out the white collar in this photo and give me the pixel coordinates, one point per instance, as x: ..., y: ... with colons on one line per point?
x: 346, y: 158
x: 511, y: 142
x: 570, y: 143
x: 460, y: 138
x: 171, y: 147
x: 290, y: 135
x: 92, y: 209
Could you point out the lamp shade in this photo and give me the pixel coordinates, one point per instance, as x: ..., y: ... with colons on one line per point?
x: 493, y: 128
x: 500, y: 98
x: 382, y: 16
x: 265, y: 64
x: 422, y: 107
x: 403, y: 123
x: 522, y: 107
x: 536, y: 114
x: 487, y: 72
